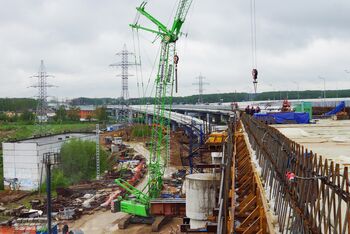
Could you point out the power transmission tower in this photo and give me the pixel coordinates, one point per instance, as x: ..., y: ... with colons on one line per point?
x: 124, y: 64
x: 42, y: 106
x: 200, y: 84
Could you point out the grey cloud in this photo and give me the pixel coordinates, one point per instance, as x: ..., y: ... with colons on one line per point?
x: 297, y: 41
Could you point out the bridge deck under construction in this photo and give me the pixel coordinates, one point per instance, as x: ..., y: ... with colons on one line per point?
x: 279, y: 186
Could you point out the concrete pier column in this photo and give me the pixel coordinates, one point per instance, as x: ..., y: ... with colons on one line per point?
x: 130, y: 115
x: 173, y: 126
x: 149, y: 120
x: 222, y: 118
x: 208, y: 130
x: 146, y: 119
x: 116, y: 114
x: 217, y: 119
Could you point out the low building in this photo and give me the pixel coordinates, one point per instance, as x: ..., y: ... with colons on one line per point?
x: 86, y: 113
x: 22, y: 160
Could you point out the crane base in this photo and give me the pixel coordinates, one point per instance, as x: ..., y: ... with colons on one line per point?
x: 133, y: 208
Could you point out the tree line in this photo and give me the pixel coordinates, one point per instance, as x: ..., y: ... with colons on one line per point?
x: 62, y: 115
x: 223, y: 97
x: 17, y: 104
x: 23, y: 104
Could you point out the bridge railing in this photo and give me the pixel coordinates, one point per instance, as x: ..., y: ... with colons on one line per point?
x: 309, y: 194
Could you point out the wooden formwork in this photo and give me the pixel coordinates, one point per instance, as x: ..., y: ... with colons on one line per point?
x: 317, y: 200
x: 249, y: 210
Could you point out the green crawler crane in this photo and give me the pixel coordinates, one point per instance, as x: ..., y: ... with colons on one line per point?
x: 160, y: 139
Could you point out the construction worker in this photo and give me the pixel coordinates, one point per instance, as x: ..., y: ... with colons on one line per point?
x: 257, y: 109
x: 252, y: 111
x: 247, y: 110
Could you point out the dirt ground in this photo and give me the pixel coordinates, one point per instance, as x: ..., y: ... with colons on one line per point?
x: 107, y: 222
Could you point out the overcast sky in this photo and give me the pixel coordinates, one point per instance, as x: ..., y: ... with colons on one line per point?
x: 297, y: 41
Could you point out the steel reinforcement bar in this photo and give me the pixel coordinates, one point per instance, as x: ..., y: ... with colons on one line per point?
x: 317, y: 199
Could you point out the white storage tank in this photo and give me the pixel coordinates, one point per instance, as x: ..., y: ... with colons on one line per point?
x: 200, y: 197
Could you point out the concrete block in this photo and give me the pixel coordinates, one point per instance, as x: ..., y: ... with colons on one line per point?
x: 26, y: 166
x: 8, y: 159
x: 25, y: 146
x: 9, y: 173
x: 26, y: 159
x: 8, y: 146
x: 28, y: 153
x: 8, y: 152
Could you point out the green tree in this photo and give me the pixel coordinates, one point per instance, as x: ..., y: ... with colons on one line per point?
x: 61, y: 114
x: 13, y: 118
x: 101, y: 114
x: 58, y: 180
x: 3, y: 117
x: 73, y: 114
x: 78, y: 160
x: 17, y: 104
x: 27, y: 116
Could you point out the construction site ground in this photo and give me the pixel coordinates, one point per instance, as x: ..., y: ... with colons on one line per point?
x: 97, y: 219
x: 327, y: 137
x: 106, y: 221
x: 102, y: 220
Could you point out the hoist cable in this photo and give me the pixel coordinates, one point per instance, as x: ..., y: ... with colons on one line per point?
x: 253, y: 33
x: 253, y: 44
x: 151, y: 74
x: 136, y: 64
x: 141, y: 73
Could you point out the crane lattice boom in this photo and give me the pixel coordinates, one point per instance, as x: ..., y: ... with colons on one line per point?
x: 164, y: 83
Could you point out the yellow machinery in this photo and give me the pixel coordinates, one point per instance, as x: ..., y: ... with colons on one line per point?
x: 216, y: 138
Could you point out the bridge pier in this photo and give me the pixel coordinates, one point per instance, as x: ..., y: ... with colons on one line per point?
x: 216, y: 118
x: 130, y: 116
x: 173, y: 126
x: 222, y: 119
x: 148, y: 120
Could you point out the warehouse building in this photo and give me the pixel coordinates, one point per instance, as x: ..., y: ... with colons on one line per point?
x: 22, y: 160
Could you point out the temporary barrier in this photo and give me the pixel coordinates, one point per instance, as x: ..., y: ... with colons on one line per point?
x: 283, y: 118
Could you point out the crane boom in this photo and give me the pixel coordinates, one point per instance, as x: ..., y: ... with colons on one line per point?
x: 180, y: 16
x: 164, y: 86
